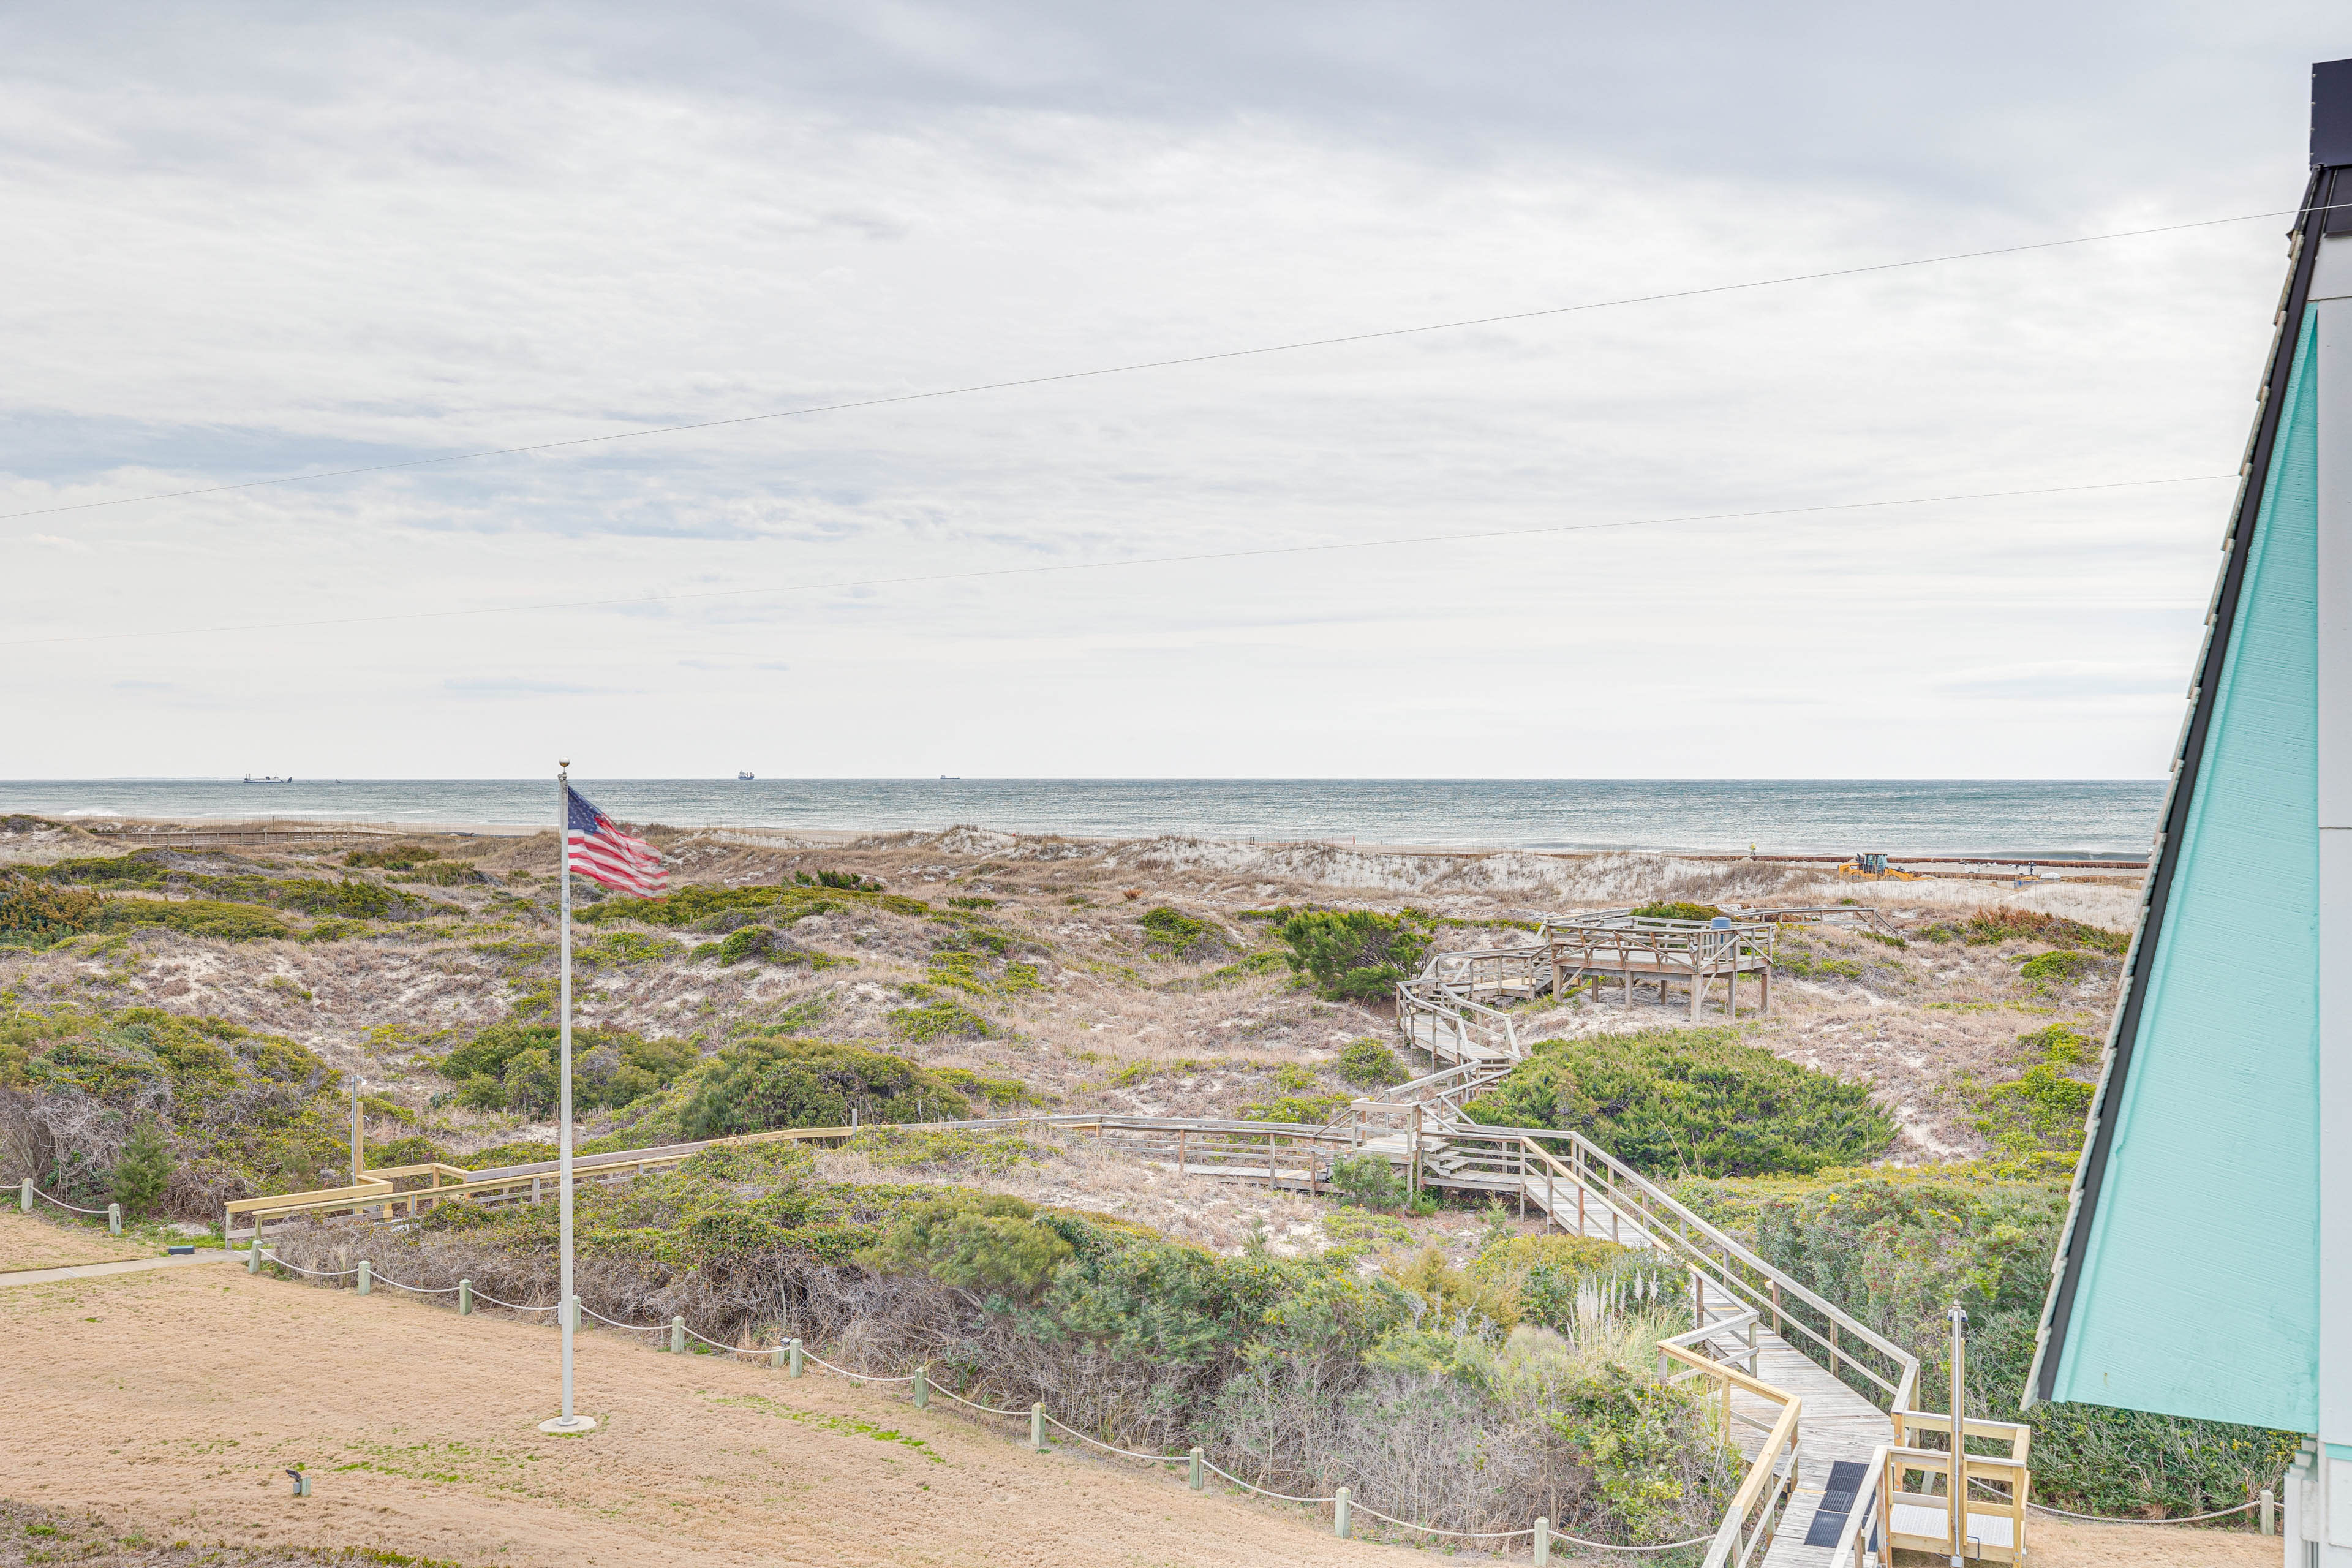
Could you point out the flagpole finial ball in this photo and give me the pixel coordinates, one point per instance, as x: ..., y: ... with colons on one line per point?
x: 563, y: 762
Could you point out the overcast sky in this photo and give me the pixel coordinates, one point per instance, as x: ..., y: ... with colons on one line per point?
x: 253, y: 241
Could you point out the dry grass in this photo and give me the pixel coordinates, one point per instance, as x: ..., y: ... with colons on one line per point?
x: 382, y: 1004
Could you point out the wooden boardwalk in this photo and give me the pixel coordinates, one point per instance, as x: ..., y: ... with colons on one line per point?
x: 1836, y: 1424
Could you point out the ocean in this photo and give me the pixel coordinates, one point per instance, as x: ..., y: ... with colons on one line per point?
x: 2044, y: 819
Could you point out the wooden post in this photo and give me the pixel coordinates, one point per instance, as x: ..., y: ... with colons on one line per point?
x: 25, y: 1195
x: 923, y: 1386
x: 793, y: 1357
x: 1543, y: 1542
x: 1776, y: 1306
x: 114, y: 1221
x: 1339, y: 1514
x: 1960, y: 1397
x: 367, y: 1277
x: 1037, y: 1428
x: 465, y: 1297
x: 678, y: 1336
x: 1180, y: 1151
x: 1580, y: 1208
x: 1200, y: 1468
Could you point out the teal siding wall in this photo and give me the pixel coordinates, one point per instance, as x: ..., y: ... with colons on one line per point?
x: 2200, y: 1289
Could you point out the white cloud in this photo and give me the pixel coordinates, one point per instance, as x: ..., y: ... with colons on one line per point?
x: 242, y: 249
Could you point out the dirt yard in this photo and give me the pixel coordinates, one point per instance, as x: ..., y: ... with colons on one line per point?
x: 29, y: 1243
x: 165, y: 1408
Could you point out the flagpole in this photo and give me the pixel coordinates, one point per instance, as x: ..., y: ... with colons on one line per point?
x: 567, y: 1310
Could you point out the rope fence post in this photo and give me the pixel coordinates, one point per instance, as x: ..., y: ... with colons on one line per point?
x: 678, y: 1336
x: 1199, y: 1479
x: 1037, y: 1428
x: 794, y: 1346
x: 923, y: 1386
x: 114, y: 1219
x: 2270, y: 1513
x: 253, y: 1253
x: 367, y: 1278
x: 1339, y: 1513
x: 1543, y: 1540
x: 25, y: 1195
x: 465, y: 1297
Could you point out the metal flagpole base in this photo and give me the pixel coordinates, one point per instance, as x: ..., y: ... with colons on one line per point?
x: 569, y: 1425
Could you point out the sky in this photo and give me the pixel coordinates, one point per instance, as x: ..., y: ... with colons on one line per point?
x: 254, y: 242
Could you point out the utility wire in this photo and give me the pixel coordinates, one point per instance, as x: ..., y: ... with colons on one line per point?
x: 1102, y: 566
x: 1155, y: 365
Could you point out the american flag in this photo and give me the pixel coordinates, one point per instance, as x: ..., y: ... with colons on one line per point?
x: 603, y: 852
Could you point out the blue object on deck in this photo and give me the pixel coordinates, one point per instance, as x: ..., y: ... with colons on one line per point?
x: 181, y: 1251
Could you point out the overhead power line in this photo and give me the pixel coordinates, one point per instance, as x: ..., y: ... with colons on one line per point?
x: 1051, y: 568
x: 1171, y: 364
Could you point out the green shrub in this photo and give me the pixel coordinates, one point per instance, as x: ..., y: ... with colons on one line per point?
x: 140, y: 869
x: 716, y: 909
x: 914, y: 1148
x: 1301, y: 1109
x: 1691, y: 1103
x: 1367, y: 1180
x: 762, y: 1083
x: 749, y: 943
x: 241, y: 1112
x: 35, y: 914
x: 523, y: 1153
x: 1677, y: 911
x: 2061, y: 968
x: 971, y: 903
x: 979, y: 1241
x: 513, y: 1067
x: 1356, y: 956
x: 2047, y: 1109
x: 399, y: 858
x: 1265, y: 961
x: 414, y: 1150
x: 143, y: 1170
x: 1895, y: 1255
x: 1793, y: 957
x: 1988, y: 928
x: 849, y: 881
x: 1369, y: 1064
x: 939, y: 1020
x: 996, y: 1091
x: 1172, y: 934
x: 192, y: 917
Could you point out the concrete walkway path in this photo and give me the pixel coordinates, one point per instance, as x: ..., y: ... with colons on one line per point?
x: 130, y: 1265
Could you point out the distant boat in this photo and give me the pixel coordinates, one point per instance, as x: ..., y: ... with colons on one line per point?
x: 950, y: 778
x: 741, y: 777
x: 267, y: 778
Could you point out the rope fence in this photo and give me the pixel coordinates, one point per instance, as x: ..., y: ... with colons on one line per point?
x: 2112, y: 1519
x: 27, y: 1193
x: 1341, y: 1502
